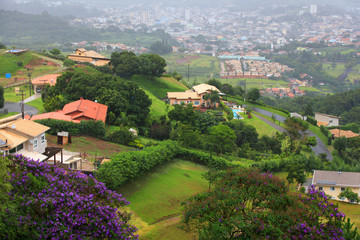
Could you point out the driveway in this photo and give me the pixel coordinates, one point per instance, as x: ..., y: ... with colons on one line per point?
x: 318, y: 149
x: 15, y: 107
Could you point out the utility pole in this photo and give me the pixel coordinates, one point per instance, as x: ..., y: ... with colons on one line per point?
x: 188, y: 74
x: 29, y: 74
x: 22, y: 102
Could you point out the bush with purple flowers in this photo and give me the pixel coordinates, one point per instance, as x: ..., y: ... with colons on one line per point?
x: 49, y: 202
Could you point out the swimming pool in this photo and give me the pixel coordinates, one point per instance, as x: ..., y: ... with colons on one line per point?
x: 236, y: 113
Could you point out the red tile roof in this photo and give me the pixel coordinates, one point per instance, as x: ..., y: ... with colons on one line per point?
x: 47, y: 79
x: 90, y: 109
x: 75, y: 111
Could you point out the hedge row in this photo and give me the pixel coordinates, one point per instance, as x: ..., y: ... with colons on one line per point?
x: 127, y: 166
x: 86, y: 128
x: 311, y: 120
x: 327, y: 133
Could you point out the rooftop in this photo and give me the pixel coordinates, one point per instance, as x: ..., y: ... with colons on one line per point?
x: 345, y: 179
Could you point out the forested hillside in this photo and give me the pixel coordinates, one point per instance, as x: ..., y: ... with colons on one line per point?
x: 36, y: 31
x: 346, y: 105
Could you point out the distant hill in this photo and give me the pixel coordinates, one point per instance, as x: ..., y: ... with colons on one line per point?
x: 38, y: 31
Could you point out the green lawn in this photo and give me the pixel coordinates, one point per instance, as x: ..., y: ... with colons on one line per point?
x: 159, y: 86
x: 311, y: 89
x: 261, y: 127
x: 351, y: 210
x: 11, y: 96
x: 334, y: 72
x: 157, y: 196
x: 38, y: 104
x: 316, y: 130
x: 201, y: 67
x: 158, y: 108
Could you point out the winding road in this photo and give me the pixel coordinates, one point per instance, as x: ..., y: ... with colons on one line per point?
x: 318, y: 149
x: 15, y: 107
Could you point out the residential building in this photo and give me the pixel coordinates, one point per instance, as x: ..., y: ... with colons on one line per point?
x: 326, y: 120
x: 81, y: 110
x: 196, y: 96
x: 21, y: 136
x: 333, y: 183
x: 40, y: 82
x: 82, y: 55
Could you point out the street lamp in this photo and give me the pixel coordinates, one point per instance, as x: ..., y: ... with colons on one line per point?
x: 29, y: 74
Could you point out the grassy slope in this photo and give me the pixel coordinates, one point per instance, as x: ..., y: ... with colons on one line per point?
x: 156, y: 198
x: 261, y: 128
x: 38, y: 104
x: 334, y: 72
x: 156, y: 89
x: 159, y: 86
x: 10, y: 95
x: 8, y: 62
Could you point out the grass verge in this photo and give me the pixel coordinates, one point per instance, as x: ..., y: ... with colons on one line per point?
x: 156, y: 198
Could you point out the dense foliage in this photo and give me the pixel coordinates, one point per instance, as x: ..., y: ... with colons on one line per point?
x: 48, y: 202
x: 87, y: 128
x: 122, y: 136
x: 247, y: 204
x: 119, y: 95
x: 2, y: 99
x: 126, y: 64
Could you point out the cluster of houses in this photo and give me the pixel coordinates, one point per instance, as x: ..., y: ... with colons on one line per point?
x: 253, y: 69
x: 282, y: 92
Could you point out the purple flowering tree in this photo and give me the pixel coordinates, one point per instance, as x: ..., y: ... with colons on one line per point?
x: 49, y: 202
x: 247, y: 204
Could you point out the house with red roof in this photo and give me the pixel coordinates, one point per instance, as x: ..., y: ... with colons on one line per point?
x: 40, y: 82
x: 81, y: 110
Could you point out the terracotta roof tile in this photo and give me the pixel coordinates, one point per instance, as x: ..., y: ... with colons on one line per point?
x: 47, y: 79
x: 183, y: 95
x: 342, y: 133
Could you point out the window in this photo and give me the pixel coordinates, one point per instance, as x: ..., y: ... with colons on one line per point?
x: 13, y: 150
x: 321, y: 188
x: 42, y: 139
x: 175, y: 102
x: 197, y: 103
x: 188, y: 102
x: 332, y: 188
x: 35, y: 143
x: 21, y: 146
x: 342, y: 189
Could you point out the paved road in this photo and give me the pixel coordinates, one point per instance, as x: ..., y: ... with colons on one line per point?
x: 15, y: 107
x: 318, y: 149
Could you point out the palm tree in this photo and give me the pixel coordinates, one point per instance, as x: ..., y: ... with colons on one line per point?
x: 213, y: 96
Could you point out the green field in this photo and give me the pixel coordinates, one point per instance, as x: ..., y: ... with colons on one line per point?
x: 351, y: 210
x: 157, y: 196
x: 201, y: 67
x: 334, y: 72
x: 342, y: 50
x: 11, y: 96
x: 159, y: 86
x: 38, y: 104
x: 158, y: 108
x: 256, y: 83
x: 261, y: 127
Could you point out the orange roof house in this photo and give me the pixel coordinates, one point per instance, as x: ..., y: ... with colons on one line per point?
x: 196, y: 96
x: 40, y: 82
x: 82, y: 55
x: 77, y: 111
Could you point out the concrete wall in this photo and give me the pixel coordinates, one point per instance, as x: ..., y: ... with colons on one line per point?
x: 328, y: 119
x: 40, y: 146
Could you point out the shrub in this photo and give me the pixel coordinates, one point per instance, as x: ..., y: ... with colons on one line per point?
x: 311, y: 120
x: 52, y: 203
x: 122, y: 136
x: 87, y: 128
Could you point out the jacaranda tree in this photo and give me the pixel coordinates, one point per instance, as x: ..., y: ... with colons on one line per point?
x: 49, y: 202
x: 247, y: 204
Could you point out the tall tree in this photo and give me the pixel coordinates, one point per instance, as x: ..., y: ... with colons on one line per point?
x: 125, y: 63
x: 222, y: 139
x: 152, y: 65
x: 253, y: 94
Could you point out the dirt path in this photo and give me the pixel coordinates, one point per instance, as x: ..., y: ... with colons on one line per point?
x: 58, y: 62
